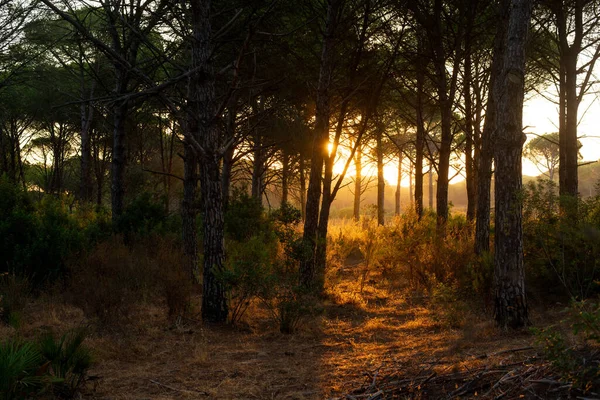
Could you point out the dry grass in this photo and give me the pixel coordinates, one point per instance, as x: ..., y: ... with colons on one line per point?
x: 332, y: 354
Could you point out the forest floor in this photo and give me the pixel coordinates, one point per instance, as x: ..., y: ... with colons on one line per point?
x: 359, y: 338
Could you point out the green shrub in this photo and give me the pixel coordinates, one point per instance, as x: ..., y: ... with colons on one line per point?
x: 22, y: 370
x: 248, y: 273
x: 560, y: 250
x: 37, y: 239
x: 244, y: 216
x: 69, y: 360
x: 575, y: 361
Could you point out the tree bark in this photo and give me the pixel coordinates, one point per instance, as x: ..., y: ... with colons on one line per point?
x: 510, y: 303
x: 229, y: 153
x: 484, y: 173
x: 302, y: 187
x: 308, y: 274
x: 357, y: 182
x: 202, y: 126
x: 380, y: 177
x: 420, y: 140
x: 119, y: 150
x: 431, y: 187
x: 285, y: 178
x: 471, y: 179
x: 189, y: 211
x: 398, y: 184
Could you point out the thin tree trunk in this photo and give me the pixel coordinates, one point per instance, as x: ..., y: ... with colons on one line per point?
x: 119, y: 161
x: 302, y: 187
x: 420, y: 140
x: 357, y: 182
x: 229, y: 153
x: 398, y: 184
x: 380, y: 177
x: 510, y: 303
x: 471, y: 180
x: 430, y: 187
x: 411, y: 187
x: 285, y: 177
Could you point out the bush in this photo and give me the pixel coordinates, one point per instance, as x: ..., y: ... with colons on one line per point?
x: 22, y: 370
x: 145, y: 216
x: 244, y: 216
x: 69, y: 360
x: 575, y: 361
x: 37, y: 239
x: 248, y: 273
x: 561, y: 251
x: 112, y: 278
x: 423, y: 259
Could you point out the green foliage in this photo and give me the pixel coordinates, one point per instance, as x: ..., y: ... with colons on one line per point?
x: 423, y: 258
x: 449, y: 309
x: 244, y: 216
x: 29, y: 368
x: 561, y: 250
x: 38, y: 238
x: 69, y: 360
x: 22, y: 371
x: 143, y: 216
x: 263, y: 254
x: 571, y: 357
x: 248, y: 273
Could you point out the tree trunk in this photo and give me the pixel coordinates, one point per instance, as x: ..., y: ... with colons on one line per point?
x: 484, y: 174
x: 510, y: 304
x: 431, y: 187
x: 380, y: 178
x: 285, y: 178
x: 87, y: 115
x: 302, y: 187
x: 398, y: 184
x: 189, y: 211
x: 119, y: 161
x: 229, y: 153
x: 411, y: 188
x: 420, y: 140
x: 202, y: 127
x: 357, y: 182
x: 308, y: 273
x: 471, y: 180
x: 568, y: 148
